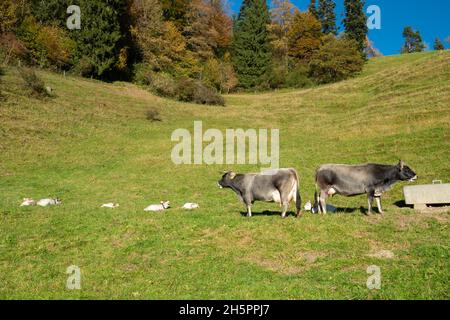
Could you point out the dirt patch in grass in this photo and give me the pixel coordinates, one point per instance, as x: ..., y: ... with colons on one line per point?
x: 382, y: 254
x: 248, y: 246
x: 286, y: 264
x: 403, y: 222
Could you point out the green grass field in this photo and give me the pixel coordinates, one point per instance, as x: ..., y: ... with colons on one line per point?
x: 92, y: 144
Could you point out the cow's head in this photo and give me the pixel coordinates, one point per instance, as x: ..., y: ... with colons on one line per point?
x: 405, y: 172
x: 227, y: 179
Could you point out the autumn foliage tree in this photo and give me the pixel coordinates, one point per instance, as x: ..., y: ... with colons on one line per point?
x: 208, y: 29
x: 282, y: 14
x: 304, y: 36
x: 149, y: 32
x: 336, y: 59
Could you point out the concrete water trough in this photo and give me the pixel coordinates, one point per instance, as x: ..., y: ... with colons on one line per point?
x: 428, y: 194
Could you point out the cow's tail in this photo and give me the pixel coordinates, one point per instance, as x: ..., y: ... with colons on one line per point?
x: 315, y: 208
x: 298, y: 198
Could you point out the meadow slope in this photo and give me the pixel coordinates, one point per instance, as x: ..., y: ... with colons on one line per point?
x: 92, y: 144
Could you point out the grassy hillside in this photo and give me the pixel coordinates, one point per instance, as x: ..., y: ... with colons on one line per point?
x: 92, y: 144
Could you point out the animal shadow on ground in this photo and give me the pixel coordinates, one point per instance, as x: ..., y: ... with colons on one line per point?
x: 268, y: 213
x: 402, y: 204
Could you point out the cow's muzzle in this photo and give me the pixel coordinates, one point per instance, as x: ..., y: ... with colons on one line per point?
x: 413, y: 178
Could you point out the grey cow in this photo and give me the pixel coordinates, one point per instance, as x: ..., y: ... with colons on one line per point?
x: 278, y: 185
x: 352, y: 180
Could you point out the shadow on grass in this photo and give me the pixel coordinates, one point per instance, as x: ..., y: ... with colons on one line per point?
x: 338, y: 210
x: 268, y: 213
x: 402, y: 204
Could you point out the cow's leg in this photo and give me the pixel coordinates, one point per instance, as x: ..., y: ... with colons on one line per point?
x: 378, y: 200
x: 369, y: 202
x: 323, y: 202
x: 285, y: 208
x: 249, y: 210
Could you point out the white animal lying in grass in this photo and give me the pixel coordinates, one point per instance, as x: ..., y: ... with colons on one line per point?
x: 48, y: 202
x: 190, y: 206
x: 110, y: 205
x: 308, y: 206
x: 158, y: 207
x: 28, y: 202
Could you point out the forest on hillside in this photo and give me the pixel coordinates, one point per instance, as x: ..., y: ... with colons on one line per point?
x: 190, y: 50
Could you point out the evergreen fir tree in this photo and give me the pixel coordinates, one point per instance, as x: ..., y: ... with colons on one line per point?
x: 355, y: 22
x: 413, y: 41
x: 438, y: 44
x: 312, y: 8
x: 327, y: 16
x: 251, y: 46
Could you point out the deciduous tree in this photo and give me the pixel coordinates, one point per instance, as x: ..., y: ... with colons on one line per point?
x: 304, y: 36
x: 282, y: 15
x: 337, y: 59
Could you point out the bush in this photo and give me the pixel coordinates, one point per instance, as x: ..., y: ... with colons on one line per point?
x: 11, y: 49
x: 2, y: 96
x: 298, y: 78
x: 163, y: 84
x: 153, y: 115
x: 84, y: 67
x: 277, y: 77
x: 190, y: 90
x: 33, y: 83
x: 337, y: 59
x: 142, y: 74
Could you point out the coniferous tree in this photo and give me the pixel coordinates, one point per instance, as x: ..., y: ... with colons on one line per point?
x: 99, y: 39
x: 251, y: 47
x: 312, y: 8
x: 327, y: 16
x: 413, y: 41
x: 101, y: 46
x: 355, y: 22
x: 438, y: 44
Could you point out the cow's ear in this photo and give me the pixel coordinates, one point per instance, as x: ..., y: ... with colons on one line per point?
x: 232, y: 175
x: 401, y: 164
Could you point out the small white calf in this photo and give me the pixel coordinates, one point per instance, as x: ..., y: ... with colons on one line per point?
x: 109, y: 205
x: 158, y: 207
x: 28, y: 202
x: 48, y: 202
x: 308, y: 206
x: 190, y: 206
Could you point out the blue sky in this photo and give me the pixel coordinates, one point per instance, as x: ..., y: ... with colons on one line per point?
x: 430, y: 17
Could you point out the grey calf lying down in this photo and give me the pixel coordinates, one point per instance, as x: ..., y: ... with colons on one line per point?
x: 278, y: 185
